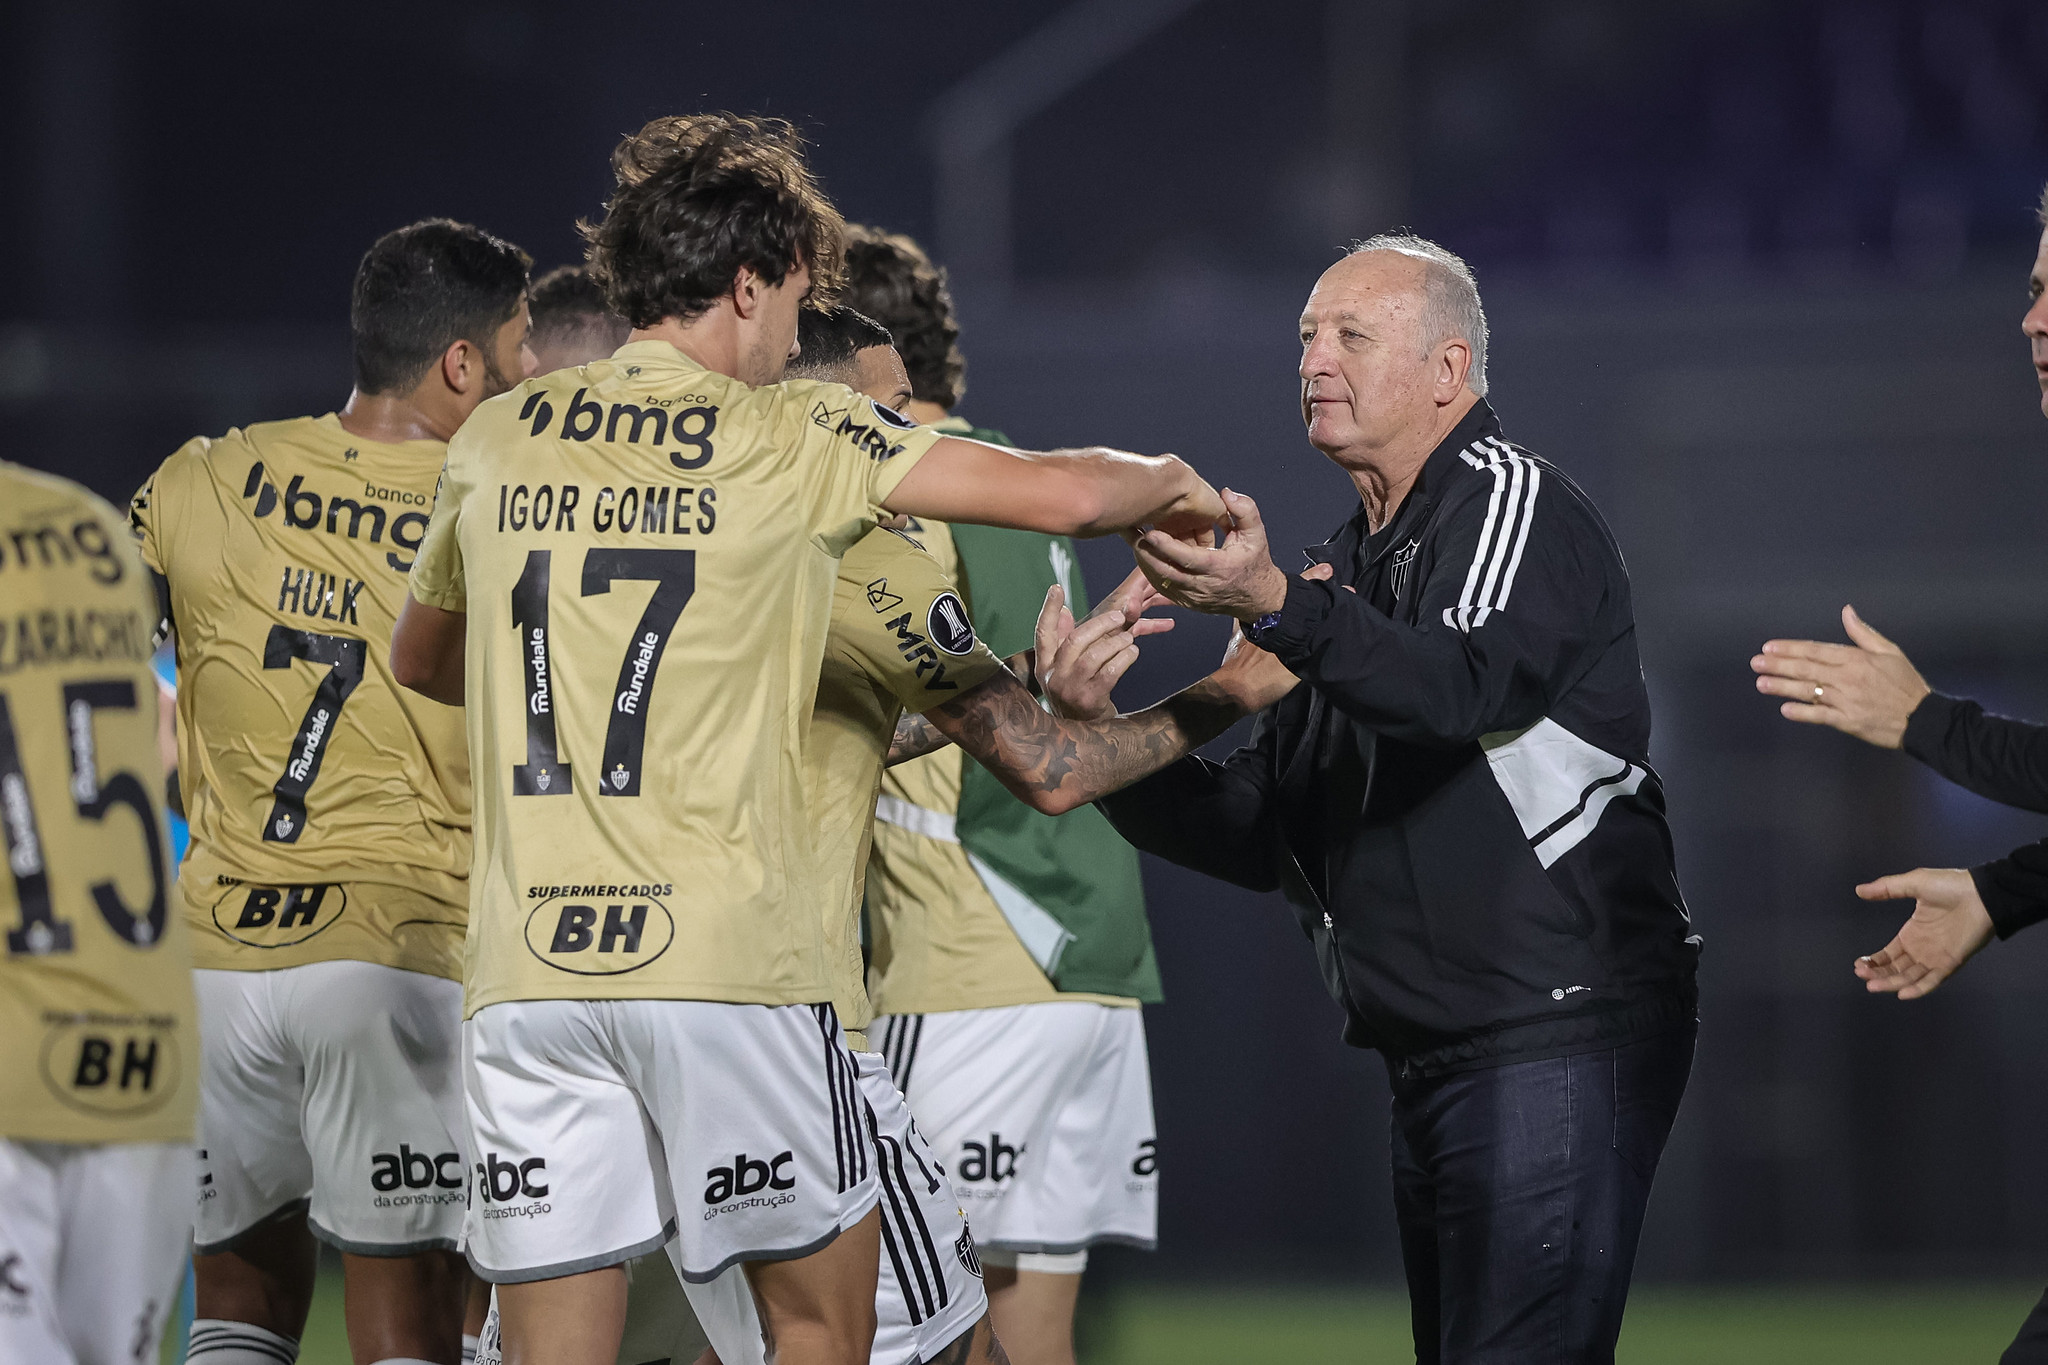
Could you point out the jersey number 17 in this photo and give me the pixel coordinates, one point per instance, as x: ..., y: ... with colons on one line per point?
x: 674, y: 575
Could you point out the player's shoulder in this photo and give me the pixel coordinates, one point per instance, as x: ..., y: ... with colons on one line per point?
x: 37, y: 495
x: 230, y: 454
x: 39, y: 505
x: 885, y: 550
x: 887, y: 573
x: 867, y: 424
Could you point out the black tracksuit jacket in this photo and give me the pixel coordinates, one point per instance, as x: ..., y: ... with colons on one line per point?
x: 2006, y: 760
x: 1458, y: 803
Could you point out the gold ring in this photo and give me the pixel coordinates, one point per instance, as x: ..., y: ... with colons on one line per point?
x: 1818, y: 691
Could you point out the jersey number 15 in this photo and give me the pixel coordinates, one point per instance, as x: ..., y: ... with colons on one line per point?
x: 93, y: 794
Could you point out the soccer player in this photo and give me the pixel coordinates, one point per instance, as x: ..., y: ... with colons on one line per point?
x: 1011, y: 950
x: 96, y: 1095
x: 622, y: 1057
x: 571, y: 325
x: 330, y: 822
x: 901, y: 641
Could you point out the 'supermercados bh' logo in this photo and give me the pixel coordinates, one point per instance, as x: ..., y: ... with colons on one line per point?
x: 600, y: 935
x: 118, y: 1065
x: 278, y: 916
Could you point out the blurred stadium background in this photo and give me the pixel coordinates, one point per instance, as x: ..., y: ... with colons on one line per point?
x: 1755, y: 271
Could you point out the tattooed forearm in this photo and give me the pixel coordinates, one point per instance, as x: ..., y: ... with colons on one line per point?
x: 915, y: 737
x: 1054, y: 765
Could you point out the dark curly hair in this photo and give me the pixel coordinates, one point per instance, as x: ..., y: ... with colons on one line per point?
x: 420, y: 289
x: 699, y: 197
x: 889, y: 277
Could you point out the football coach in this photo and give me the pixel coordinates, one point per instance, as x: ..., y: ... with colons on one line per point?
x: 1459, y: 805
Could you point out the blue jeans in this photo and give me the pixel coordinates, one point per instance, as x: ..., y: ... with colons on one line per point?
x: 1520, y: 1192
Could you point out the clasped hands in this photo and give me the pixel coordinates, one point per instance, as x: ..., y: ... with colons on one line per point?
x: 1079, y: 664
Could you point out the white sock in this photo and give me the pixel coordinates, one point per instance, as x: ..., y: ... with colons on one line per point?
x: 217, y: 1341
x: 468, y: 1349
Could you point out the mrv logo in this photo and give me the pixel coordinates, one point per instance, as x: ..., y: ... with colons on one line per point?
x: 499, y: 1181
x: 305, y: 510
x: 745, y: 1177
x: 865, y: 436
x: 918, y: 653
x: 592, y: 940
x: 416, y: 1170
x: 995, y: 1161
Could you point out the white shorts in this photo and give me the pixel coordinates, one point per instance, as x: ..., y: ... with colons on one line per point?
x: 1042, y: 1116
x: 929, y: 1292
x: 335, y: 1085
x: 602, y: 1128
x: 92, y: 1247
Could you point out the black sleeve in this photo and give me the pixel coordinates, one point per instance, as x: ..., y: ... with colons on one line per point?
x: 164, y: 624
x: 2015, y: 888
x: 1512, y: 605
x: 1993, y: 756
x: 1214, y: 818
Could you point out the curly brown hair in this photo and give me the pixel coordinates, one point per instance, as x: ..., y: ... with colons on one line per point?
x: 891, y: 279
x: 699, y: 197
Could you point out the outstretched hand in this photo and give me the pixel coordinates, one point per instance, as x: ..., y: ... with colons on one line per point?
x: 1949, y: 925
x: 1079, y: 666
x: 1237, y: 578
x: 1867, y: 688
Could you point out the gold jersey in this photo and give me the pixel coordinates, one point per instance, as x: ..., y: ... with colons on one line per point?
x: 96, y: 973
x: 646, y: 551
x: 329, y: 806
x: 938, y: 939
x: 901, y: 641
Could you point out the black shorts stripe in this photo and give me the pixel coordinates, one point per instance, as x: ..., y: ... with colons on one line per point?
x: 892, y: 1247
x: 844, y: 1141
x: 923, y: 1284
x: 906, y: 1032
x: 894, y: 1157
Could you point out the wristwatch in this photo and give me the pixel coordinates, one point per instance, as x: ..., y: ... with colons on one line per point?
x: 1264, y: 623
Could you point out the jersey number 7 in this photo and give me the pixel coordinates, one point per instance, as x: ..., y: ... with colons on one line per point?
x: 344, y: 660
x: 674, y: 575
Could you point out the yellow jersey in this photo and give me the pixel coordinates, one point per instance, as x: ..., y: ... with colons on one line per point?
x: 96, y: 977
x: 646, y: 551
x: 901, y: 641
x: 937, y: 937
x: 329, y: 807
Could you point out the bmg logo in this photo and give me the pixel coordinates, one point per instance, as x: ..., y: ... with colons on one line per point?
x: 745, y: 1177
